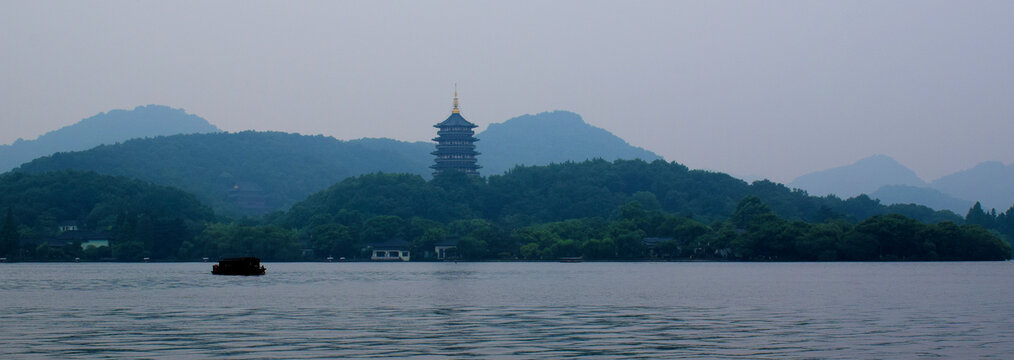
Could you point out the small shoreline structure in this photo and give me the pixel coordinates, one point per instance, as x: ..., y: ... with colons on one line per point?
x: 239, y: 266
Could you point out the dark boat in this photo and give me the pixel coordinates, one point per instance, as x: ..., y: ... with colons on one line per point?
x: 238, y: 266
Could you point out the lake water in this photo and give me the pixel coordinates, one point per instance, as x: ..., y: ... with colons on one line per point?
x: 509, y: 310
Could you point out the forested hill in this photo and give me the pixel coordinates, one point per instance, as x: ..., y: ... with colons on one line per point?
x: 550, y: 137
x: 596, y: 209
x: 105, y: 128
x: 596, y: 188
x: 623, y: 210
x: 246, y: 173
x: 146, y: 219
x: 252, y: 173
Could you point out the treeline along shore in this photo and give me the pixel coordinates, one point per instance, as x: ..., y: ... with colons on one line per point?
x: 595, y: 210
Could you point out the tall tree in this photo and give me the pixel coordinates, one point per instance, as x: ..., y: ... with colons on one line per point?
x: 976, y: 216
x: 1005, y: 223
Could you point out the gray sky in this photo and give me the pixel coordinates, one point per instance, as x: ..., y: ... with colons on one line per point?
x: 762, y: 88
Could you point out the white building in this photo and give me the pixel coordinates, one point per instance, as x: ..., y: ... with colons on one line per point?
x: 392, y: 250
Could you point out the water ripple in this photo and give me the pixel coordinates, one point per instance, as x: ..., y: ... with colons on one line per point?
x: 436, y: 312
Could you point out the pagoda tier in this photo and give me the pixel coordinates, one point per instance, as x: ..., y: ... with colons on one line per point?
x: 441, y: 149
x: 455, y: 148
x: 463, y: 137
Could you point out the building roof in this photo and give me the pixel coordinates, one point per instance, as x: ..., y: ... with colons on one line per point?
x: 455, y: 120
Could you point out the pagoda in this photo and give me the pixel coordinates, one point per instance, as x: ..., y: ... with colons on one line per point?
x: 455, y: 144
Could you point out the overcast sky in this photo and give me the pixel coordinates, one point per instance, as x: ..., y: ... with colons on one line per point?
x: 772, y: 89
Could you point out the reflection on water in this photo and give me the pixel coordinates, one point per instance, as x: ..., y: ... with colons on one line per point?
x: 509, y: 310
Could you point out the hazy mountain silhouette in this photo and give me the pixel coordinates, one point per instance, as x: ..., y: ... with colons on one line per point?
x: 991, y: 183
x: 105, y: 128
x: 884, y: 178
x: 862, y: 177
x: 245, y: 173
x: 549, y: 137
x: 416, y: 153
x: 907, y: 194
x: 251, y: 173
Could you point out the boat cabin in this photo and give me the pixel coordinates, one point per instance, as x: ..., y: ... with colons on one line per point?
x: 239, y: 266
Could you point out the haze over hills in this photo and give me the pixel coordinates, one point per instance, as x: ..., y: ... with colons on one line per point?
x: 991, y: 183
x: 250, y: 173
x: 418, y: 153
x: 541, y: 139
x: 862, y: 177
x: 550, y: 137
x: 213, y: 166
x: 314, y: 177
x: 105, y: 128
x: 907, y: 194
x: 884, y: 178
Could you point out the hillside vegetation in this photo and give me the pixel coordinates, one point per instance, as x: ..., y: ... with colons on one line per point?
x: 605, y: 210
x: 145, y: 219
x: 276, y: 169
x: 594, y: 209
x: 592, y: 188
x: 253, y: 173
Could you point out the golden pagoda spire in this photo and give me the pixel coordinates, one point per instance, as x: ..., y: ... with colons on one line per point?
x: 455, y: 110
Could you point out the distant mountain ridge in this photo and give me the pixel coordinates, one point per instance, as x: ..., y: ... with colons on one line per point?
x: 991, y: 183
x: 105, y: 128
x: 252, y: 173
x: 907, y: 194
x: 884, y: 178
x: 540, y: 139
x: 550, y: 137
x: 862, y: 177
